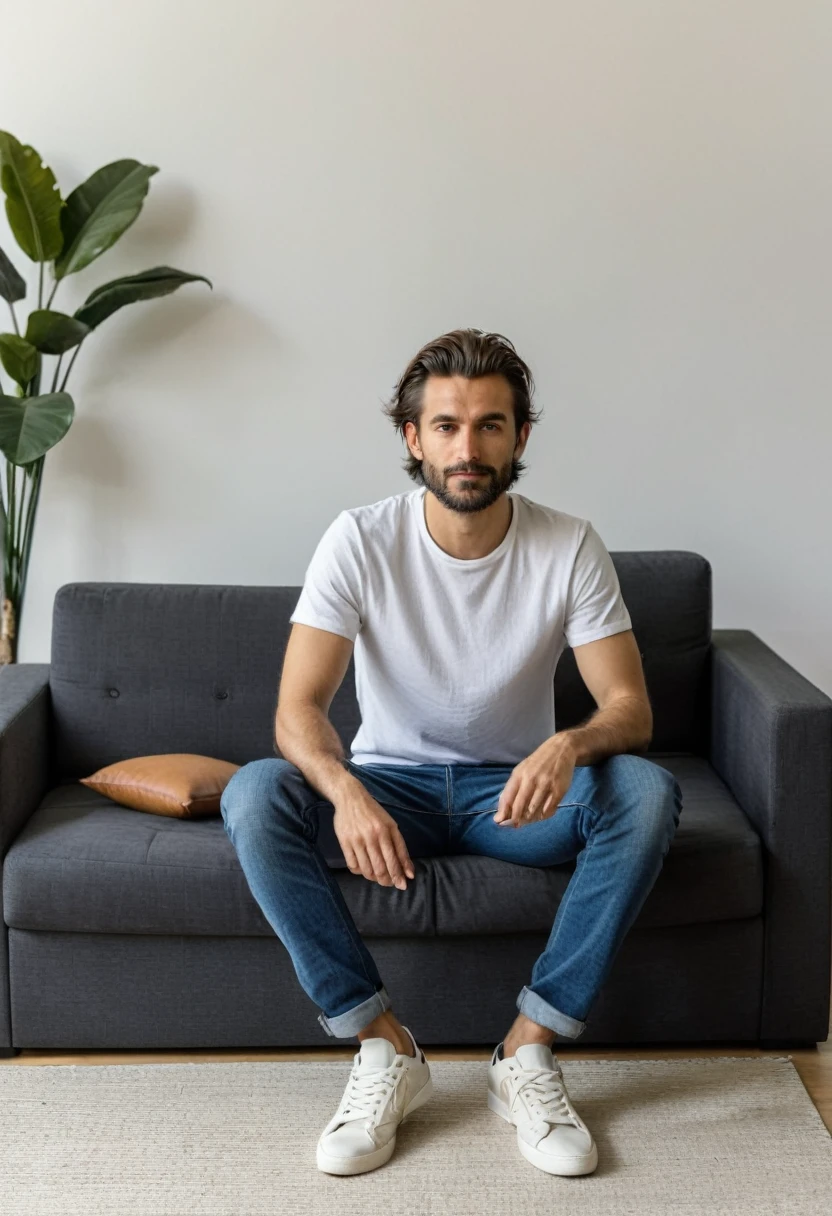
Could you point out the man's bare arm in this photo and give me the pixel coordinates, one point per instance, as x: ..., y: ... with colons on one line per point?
x: 314, y: 667
x: 612, y: 671
x: 315, y: 664
x: 306, y: 738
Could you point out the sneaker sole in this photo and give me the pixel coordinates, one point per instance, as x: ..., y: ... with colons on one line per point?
x: 568, y: 1167
x: 370, y: 1161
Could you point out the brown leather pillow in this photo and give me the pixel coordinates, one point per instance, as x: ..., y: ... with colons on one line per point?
x: 179, y: 784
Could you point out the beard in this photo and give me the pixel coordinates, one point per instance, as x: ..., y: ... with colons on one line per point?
x: 468, y: 495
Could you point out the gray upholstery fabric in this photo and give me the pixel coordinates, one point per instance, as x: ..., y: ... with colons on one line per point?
x: 102, y: 991
x: 771, y: 742
x: 25, y: 750
x: 83, y: 864
x: 125, y: 929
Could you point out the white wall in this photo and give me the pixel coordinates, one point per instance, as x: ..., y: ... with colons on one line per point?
x: 639, y: 194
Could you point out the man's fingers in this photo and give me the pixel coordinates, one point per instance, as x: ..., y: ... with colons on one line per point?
x: 401, y: 850
x: 379, y: 853
x: 394, y: 866
x: 525, y: 810
x: 379, y: 863
x: 363, y: 861
x: 398, y: 859
x: 369, y: 867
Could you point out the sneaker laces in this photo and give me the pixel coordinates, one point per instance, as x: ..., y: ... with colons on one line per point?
x: 367, y: 1091
x: 544, y: 1093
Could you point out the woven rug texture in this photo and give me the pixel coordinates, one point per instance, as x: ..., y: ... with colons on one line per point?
x: 726, y: 1136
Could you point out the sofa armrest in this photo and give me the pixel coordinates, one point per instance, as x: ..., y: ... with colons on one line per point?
x: 25, y: 758
x: 25, y: 753
x: 771, y: 743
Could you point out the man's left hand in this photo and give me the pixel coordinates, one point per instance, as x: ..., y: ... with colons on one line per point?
x: 538, y: 783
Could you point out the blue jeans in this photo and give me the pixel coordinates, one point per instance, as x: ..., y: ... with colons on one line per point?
x: 618, y: 818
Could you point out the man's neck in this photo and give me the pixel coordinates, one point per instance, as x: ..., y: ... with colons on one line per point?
x: 468, y: 536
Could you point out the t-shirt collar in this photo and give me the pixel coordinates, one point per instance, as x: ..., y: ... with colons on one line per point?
x: 466, y: 563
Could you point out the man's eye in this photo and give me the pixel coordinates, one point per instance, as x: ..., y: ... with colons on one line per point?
x: 493, y: 425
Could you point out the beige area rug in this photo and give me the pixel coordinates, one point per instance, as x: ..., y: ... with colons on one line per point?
x: 733, y: 1136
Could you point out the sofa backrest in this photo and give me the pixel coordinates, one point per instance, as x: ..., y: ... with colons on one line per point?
x: 144, y: 668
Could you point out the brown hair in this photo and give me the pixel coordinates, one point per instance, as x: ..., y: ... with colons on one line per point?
x: 462, y: 352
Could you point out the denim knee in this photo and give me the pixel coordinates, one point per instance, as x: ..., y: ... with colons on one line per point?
x: 648, y: 791
x: 251, y: 783
x: 234, y: 789
x: 660, y: 802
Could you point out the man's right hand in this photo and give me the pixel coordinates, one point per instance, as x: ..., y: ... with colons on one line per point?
x: 371, y: 841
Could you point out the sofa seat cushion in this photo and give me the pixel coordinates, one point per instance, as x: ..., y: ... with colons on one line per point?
x: 83, y: 864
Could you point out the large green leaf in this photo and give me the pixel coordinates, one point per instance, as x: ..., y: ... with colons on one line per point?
x: 30, y: 426
x: 12, y: 285
x: 33, y: 200
x: 54, y: 332
x: 159, y: 281
x: 99, y: 210
x: 19, y: 358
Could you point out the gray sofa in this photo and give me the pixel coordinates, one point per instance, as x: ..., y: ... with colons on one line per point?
x: 123, y: 929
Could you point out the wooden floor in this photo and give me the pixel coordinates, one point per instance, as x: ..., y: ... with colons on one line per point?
x: 814, y: 1064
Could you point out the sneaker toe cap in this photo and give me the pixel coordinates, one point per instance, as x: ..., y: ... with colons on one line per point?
x: 561, y: 1141
x: 349, y: 1140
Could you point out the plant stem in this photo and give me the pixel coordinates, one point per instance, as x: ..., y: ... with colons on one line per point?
x: 4, y: 580
x: 2, y: 526
x: 14, y: 318
x: 57, y: 369
x: 6, y: 521
x: 26, y: 547
x: 21, y: 499
x: 40, y: 286
x: 52, y: 296
x: 10, y: 556
x: 72, y: 360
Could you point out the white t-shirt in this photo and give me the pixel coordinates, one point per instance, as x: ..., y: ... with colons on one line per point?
x: 455, y: 658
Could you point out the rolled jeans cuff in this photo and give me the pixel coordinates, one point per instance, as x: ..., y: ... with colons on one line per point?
x: 540, y: 1011
x: 346, y: 1025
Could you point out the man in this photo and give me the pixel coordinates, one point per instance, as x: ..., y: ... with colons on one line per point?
x: 459, y: 598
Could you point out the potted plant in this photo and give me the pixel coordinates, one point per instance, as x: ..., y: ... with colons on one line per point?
x: 68, y: 234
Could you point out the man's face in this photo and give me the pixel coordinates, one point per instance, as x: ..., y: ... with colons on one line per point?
x: 467, y: 425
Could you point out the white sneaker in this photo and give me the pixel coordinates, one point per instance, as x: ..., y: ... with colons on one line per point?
x: 384, y: 1087
x: 528, y: 1090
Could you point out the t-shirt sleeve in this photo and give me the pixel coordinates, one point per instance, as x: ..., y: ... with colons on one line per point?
x: 595, y: 607
x: 331, y: 595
